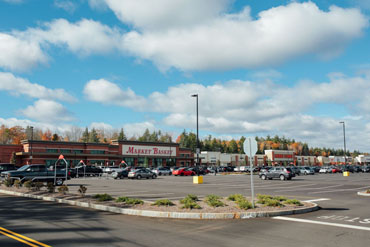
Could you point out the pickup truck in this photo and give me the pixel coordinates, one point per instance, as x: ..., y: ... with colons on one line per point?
x: 37, y: 173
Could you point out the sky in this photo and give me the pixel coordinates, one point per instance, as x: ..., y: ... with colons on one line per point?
x: 272, y: 67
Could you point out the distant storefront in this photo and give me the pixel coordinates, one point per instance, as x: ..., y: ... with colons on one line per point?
x: 132, y: 153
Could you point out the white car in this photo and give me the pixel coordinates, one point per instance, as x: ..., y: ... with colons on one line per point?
x: 324, y: 170
x: 162, y: 171
x: 112, y: 169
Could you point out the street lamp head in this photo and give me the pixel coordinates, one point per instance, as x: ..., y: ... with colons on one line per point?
x: 341, y: 122
x: 194, y: 95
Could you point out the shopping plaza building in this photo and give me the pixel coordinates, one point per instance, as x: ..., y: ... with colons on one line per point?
x: 133, y: 153
x: 152, y: 154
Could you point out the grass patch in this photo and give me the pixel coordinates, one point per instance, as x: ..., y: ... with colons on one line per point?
x: 103, y: 197
x: 214, y: 201
x: 273, y: 203
x: 131, y: 201
x: 244, y: 204
x: 163, y: 202
x: 293, y: 202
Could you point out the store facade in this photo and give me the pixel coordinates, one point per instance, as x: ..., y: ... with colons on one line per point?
x: 132, y: 153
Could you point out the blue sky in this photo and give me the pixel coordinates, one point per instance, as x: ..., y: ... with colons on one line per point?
x: 292, y: 68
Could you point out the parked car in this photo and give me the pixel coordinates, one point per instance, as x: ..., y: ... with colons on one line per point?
x: 200, y: 170
x: 111, y: 169
x: 348, y: 168
x: 81, y: 171
x: 366, y: 169
x: 282, y: 173
x: 306, y: 170
x: 7, y: 167
x: 335, y: 170
x: 141, y: 173
x: 121, y: 173
x: 357, y: 169
x: 162, y: 171
x: 183, y: 171
x: 325, y: 170
x: 296, y: 170
x: 37, y: 173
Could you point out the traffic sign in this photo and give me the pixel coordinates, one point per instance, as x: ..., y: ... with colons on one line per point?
x: 250, y: 146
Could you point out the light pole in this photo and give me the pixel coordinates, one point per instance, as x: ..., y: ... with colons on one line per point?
x: 198, y: 150
x: 31, y: 127
x: 344, y: 140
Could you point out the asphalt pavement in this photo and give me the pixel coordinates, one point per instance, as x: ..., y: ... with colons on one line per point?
x: 344, y: 219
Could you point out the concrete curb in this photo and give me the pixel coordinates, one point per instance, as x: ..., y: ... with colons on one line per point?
x: 173, y: 215
x: 363, y: 194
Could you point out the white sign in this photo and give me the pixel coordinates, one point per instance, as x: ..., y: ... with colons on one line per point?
x: 138, y: 150
x: 250, y: 146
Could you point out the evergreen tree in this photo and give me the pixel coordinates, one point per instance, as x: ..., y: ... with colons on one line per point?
x: 85, y: 135
x: 93, y: 136
x: 122, y: 136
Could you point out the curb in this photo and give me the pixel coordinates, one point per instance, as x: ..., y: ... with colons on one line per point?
x: 172, y: 215
x: 363, y: 194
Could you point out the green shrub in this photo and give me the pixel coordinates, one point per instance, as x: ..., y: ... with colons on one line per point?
x: 8, y: 182
x: 244, y: 204
x: 191, y: 205
x: 235, y: 197
x: 189, y: 198
x: 262, y: 198
x: 63, y: 189
x: 28, y: 184
x: 127, y: 200
x: 103, y: 197
x: 273, y: 203
x: 38, y: 185
x: 82, y: 190
x: 50, y: 187
x: 163, y: 202
x: 214, y: 201
x: 280, y: 198
x: 294, y: 202
x: 17, y: 184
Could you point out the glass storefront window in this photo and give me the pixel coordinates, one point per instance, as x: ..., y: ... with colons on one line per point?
x: 52, y: 150
x: 65, y: 151
x: 97, y: 151
x: 77, y: 151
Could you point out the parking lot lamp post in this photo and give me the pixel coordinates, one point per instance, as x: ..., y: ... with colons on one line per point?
x: 198, y: 150
x: 344, y: 140
x: 31, y: 127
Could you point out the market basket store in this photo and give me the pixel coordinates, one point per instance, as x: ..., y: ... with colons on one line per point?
x: 133, y: 153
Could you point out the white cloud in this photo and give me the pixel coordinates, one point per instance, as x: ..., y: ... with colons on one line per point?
x: 237, y: 41
x: 13, y: 1
x: 107, y: 92
x: 137, y: 129
x: 84, y: 37
x: 68, y: 6
x: 163, y: 14
x: 246, y: 108
x: 20, y: 54
x: 20, y: 86
x: 47, y: 111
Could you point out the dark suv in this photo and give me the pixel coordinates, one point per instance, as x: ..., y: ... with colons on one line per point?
x: 7, y: 167
x: 282, y: 173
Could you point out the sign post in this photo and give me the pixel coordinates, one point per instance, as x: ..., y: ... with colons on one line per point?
x: 250, y: 146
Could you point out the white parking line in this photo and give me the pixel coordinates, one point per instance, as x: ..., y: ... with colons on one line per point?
x: 322, y: 223
x: 318, y: 200
x: 330, y: 191
x: 157, y: 194
x: 317, y: 188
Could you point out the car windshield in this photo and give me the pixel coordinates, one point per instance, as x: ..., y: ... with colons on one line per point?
x: 23, y: 168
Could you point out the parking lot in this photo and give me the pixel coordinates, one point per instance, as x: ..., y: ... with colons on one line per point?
x: 308, y: 187
x: 336, y: 194
x: 344, y: 218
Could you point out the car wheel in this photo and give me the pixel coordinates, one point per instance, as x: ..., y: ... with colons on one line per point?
x: 138, y: 177
x: 59, y: 182
x: 160, y: 174
x: 154, y: 176
x: 263, y: 177
x: 182, y: 174
x: 282, y: 177
x: 289, y: 178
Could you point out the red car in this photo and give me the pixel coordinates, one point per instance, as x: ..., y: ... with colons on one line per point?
x: 183, y: 172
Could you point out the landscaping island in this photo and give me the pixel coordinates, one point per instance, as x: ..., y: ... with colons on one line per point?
x: 190, y: 207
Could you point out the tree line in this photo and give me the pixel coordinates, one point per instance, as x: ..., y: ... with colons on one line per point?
x: 16, y: 134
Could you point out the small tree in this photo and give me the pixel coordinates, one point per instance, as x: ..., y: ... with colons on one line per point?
x: 13, y: 159
x: 50, y: 187
x: 63, y: 189
x: 82, y: 190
